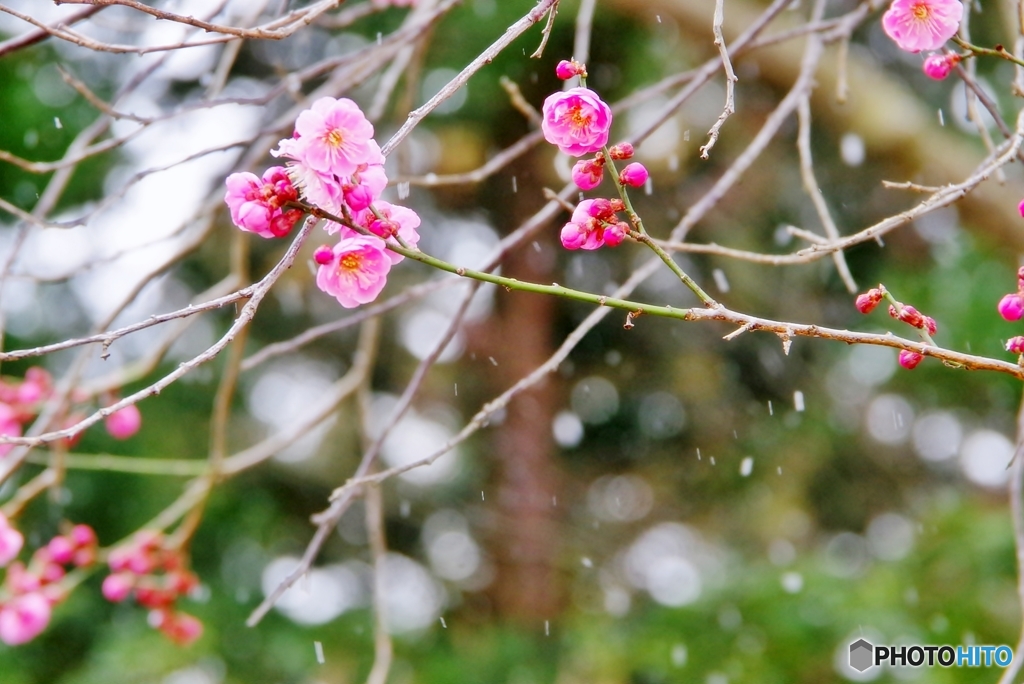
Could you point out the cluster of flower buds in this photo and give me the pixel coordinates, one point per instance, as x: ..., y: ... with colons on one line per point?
x: 335, y: 165
x: 1011, y: 308
x: 30, y: 592
x: 21, y: 401
x: 866, y: 303
x: 578, y: 122
x: 157, y: 576
x: 594, y: 224
x: 587, y: 174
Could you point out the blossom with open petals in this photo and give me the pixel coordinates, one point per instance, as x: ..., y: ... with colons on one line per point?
x: 333, y: 136
x: 918, y: 25
x: 354, y: 271
x: 577, y: 121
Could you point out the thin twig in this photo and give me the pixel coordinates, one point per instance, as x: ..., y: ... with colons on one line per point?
x: 730, y: 80
x: 803, y: 142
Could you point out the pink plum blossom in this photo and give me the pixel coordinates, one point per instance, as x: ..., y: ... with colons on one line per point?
x: 357, y: 270
x: 23, y: 617
x: 634, y: 175
x: 587, y: 174
x: 333, y: 137
x: 1011, y: 307
x: 257, y: 204
x: 918, y: 25
x: 1015, y: 344
x: 938, y: 67
x: 320, y: 189
x: 577, y: 121
x: 124, y: 423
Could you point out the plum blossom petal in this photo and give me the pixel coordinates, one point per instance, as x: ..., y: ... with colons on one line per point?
x: 357, y: 272
x: 918, y: 25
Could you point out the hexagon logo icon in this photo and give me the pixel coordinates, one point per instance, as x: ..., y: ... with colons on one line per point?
x: 860, y: 655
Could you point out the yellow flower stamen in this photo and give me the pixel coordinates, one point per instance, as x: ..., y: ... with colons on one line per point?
x: 334, y: 138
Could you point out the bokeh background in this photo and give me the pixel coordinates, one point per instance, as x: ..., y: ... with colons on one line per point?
x: 668, y: 506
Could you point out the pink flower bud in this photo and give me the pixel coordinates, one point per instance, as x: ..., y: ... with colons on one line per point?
x: 50, y: 573
x: 61, y: 550
x: 84, y: 556
x: 634, y: 175
x: 930, y: 325
x: 587, y: 174
x: 867, y: 301
x: 23, y: 618
x: 11, y: 542
x: 1011, y: 307
x: 622, y: 151
x: 181, y: 628
x: 908, y: 315
x: 601, y: 209
x: 323, y: 255
x: 565, y: 70
x: 939, y: 67
x: 909, y: 359
x: 1020, y: 278
x: 124, y: 423
x: 615, y: 233
x: 1020, y: 208
x: 83, y: 535
x: 118, y: 586
x: 573, y: 236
